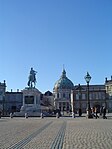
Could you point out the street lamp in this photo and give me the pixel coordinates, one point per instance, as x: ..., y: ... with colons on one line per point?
x: 79, y: 93
x: 3, y: 102
x: 88, y: 78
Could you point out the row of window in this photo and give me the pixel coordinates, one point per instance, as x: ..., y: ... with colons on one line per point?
x: 109, y: 87
x: 98, y: 95
x: 63, y: 95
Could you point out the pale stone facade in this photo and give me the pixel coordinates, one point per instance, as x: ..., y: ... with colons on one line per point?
x: 2, y: 96
x: 108, y: 87
x: 62, y: 93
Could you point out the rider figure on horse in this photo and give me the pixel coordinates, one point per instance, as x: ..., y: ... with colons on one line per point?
x: 32, y: 77
x: 33, y: 73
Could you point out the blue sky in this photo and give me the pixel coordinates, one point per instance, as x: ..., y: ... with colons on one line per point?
x: 45, y: 34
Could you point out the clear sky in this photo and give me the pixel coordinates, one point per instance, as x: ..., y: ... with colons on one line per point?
x: 45, y: 34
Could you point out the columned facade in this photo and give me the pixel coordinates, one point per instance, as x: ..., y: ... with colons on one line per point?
x: 108, y: 88
x: 62, y: 94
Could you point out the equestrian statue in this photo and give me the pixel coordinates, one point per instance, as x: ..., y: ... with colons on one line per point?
x: 32, y: 78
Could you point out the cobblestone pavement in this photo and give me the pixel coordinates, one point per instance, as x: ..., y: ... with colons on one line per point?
x: 54, y: 133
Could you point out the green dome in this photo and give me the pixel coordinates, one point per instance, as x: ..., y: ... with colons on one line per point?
x: 63, y: 82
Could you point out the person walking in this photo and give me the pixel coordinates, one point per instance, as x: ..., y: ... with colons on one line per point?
x: 0, y: 114
x: 101, y: 111
x: 93, y: 112
x: 96, y: 112
x: 104, y: 113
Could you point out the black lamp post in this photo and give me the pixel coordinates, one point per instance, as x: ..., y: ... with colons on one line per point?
x: 89, y: 113
x: 79, y: 93
x: 3, y: 101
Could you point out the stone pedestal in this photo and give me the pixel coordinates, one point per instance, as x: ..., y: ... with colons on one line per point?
x: 31, y: 102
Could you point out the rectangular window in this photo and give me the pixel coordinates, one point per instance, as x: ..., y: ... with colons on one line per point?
x: 90, y: 96
x: 77, y: 105
x: 110, y: 105
x: 103, y: 95
x: 84, y: 105
x: 96, y: 95
x: 83, y: 96
x: 99, y: 95
x: 1, y: 97
x: 77, y: 97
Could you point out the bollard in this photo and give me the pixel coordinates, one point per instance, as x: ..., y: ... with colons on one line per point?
x: 73, y: 115
x: 26, y: 115
x: 57, y: 115
x: 41, y: 115
x: 11, y: 115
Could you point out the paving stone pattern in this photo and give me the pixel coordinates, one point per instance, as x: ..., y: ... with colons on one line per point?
x: 55, y: 133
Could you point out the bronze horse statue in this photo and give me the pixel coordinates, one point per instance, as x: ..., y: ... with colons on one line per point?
x: 32, y: 78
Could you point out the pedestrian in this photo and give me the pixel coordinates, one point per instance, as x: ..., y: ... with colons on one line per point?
x: 101, y: 111
x: 0, y: 114
x: 104, y: 113
x: 80, y: 112
x: 93, y: 112
x: 96, y: 112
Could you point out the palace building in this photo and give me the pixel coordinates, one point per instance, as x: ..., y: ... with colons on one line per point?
x: 62, y: 93
x: 65, y: 91
x: 108, y: 87
x: 66, y: 97
x: 97, y: 96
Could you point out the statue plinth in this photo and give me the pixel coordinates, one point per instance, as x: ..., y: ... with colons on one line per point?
x: 31, y: 102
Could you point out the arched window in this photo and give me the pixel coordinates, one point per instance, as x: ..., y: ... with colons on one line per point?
x: 63, y: 95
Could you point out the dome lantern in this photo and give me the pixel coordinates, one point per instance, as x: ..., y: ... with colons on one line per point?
x: 63, y: 73
x: 63, y: 82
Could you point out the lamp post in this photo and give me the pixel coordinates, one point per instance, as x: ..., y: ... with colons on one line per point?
x: 3, y: 102
x: 79, y: 93
x: 88, y: 78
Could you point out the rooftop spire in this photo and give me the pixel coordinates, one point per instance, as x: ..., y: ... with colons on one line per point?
x: 63, y: 72
x: 63, y: 67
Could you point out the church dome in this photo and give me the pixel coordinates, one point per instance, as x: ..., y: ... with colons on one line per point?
x: 63, y: 82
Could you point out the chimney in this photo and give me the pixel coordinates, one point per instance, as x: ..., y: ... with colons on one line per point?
x: 17, y: 90
x: 111, y: 77
x: 106, y: 80
x: 4, y: 81
x: 11, y: 90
